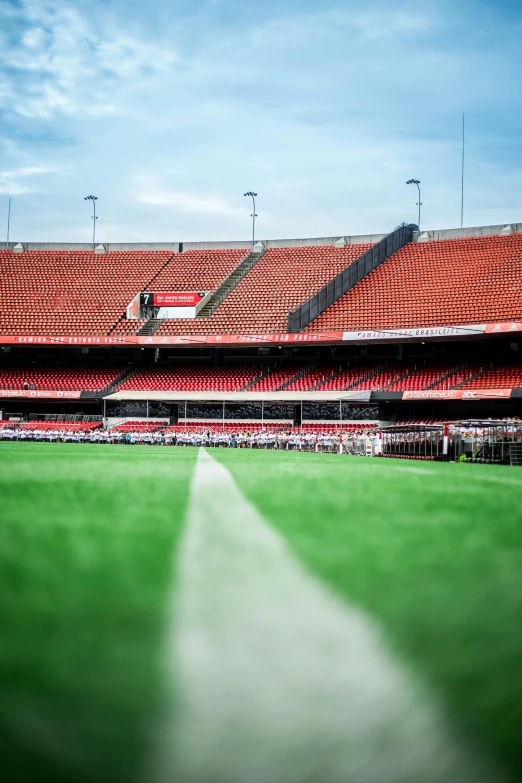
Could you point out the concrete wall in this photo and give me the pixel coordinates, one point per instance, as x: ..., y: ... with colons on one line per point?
x: 474, y: 231
x: 174, y: 246
x: 424, y: 236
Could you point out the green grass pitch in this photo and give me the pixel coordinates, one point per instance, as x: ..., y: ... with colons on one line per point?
x: 88, y: 542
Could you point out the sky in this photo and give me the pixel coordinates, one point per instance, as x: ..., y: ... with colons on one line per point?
x: 169, y: 110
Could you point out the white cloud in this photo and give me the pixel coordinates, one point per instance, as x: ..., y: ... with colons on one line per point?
x: 62, y: 63
x: 187, y: 202
x: 16, y: 182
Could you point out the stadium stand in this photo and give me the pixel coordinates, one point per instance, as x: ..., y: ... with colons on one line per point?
x: 66, y: 377
x: 281, y: 280
x: 64, y: 293
x: 84, y: 293
x: 507, y: 377
x: 313, y: 377
x: 277, y: 379
x: 138, y: 426
x: 425, y: 378
x: 227, y: 426
x: 385, y: 378
x: 452, y: 281
x: 347, y: 379
x: 192, y: 270
x: 449, y: 281
x: 45, y: 426
x: 198, y: 270
x: 459, y: 376
x: 259, y: 377
x: 472, y: 279
x: 193, y: 378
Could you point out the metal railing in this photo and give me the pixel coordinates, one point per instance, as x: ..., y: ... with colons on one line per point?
x: 349, y: 277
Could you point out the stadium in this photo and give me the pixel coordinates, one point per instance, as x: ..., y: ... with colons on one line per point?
x: 337, y: 335
x: 260, y: 498
x: 297, y: 368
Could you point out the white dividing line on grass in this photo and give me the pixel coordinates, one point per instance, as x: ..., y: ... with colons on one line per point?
x: 275, y: 680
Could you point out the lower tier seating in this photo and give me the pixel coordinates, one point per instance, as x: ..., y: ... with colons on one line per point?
x: 45, y: 426
x: 507, y: 377
x: 194, y: 378
x: 385, y: 378
x: 60, y: 378
x: 138, y: 426
x: 277, y: 378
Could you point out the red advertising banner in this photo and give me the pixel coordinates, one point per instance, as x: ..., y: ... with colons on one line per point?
x: 178, y: 299
x: 40, y: 394
x: 382, y: 335
x: 241, y: 339
x: 456, y: 394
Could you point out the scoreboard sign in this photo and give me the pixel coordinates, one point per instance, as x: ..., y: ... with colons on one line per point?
x: 168, y: 304
x: 172, y: 299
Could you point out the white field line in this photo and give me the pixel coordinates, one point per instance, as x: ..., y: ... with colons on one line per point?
x: 275, y: 680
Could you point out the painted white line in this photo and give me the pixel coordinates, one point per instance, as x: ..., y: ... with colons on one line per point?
x: 275, y: 680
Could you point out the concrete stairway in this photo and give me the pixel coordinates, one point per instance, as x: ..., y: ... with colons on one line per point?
x: 231, y: 282
x: 151, y: 327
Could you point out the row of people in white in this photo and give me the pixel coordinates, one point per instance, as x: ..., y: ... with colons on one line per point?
x: 264, y: 439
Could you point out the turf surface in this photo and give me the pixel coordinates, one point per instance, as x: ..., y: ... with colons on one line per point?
x: 87, y: 553
x: 86, y: 548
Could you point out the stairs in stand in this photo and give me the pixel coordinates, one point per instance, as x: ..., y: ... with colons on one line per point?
x: 150, y: 328
x: 296, y: 377
x: 230, y: 283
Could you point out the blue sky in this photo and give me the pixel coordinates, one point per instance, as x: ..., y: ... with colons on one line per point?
x: 168, y: 110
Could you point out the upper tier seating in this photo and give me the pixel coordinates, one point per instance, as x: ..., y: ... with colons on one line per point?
x: 282, y: 279
x: 507, y: 377
x: 192, y: 270
x: 69, y: 293
x: 193, y: 378
x: 61, y: 293
x: 198, y: 270
x: 62, y: 378
x: 452, y: 281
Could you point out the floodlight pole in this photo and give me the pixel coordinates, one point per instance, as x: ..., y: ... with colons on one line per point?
x: 253, y: 215
x: 94, y: 199
x: 419, y: 202
x: 462, y: 175
x: 8, y: 222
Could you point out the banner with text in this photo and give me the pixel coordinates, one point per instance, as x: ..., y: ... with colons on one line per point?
x: 363, y: 336
x: 456, y: 394
x: 40, y: 394
x: 178, y: 299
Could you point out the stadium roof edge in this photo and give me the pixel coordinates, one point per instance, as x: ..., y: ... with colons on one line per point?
x: 175, y: 247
